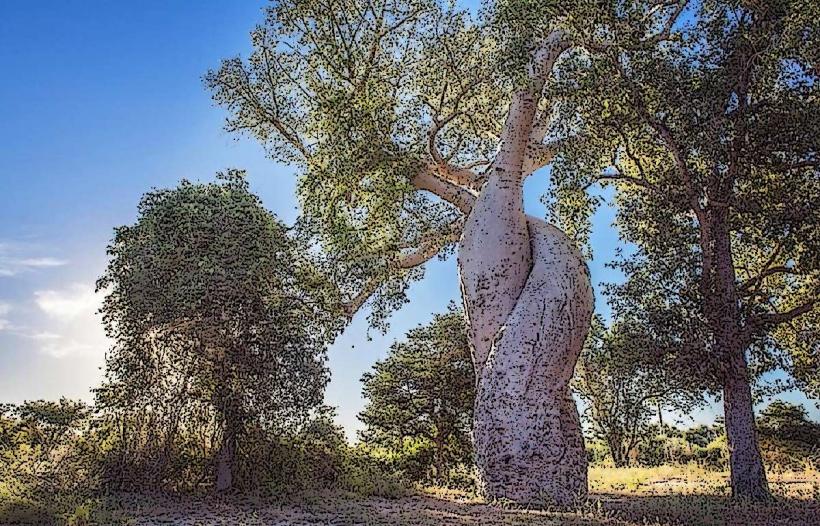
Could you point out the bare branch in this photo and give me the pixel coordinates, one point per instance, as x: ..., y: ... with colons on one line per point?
x: 460, y: 197
x: 771, y: 319
x: 428, y: 247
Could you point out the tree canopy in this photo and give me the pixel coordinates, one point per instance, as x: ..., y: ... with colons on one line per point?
x: 713, y: 132
x: 216, y: 314
x: 625, y: 384
x: 421, y: 396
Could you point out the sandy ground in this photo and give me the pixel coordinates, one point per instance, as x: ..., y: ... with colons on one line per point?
x: 450, y: 510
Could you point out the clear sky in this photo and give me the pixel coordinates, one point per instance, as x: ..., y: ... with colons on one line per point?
x: 101, y: 101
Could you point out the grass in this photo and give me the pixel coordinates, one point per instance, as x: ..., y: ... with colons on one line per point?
x: 693, y: 479
x: 665, y: 495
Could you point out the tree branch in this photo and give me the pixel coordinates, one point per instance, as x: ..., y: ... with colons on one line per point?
x: 428, y: 246
x: 768, y: 320
x: 461, y: 198
x: 539, y: 155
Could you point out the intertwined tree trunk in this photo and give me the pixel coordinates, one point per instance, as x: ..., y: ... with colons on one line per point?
x: 529, y: 302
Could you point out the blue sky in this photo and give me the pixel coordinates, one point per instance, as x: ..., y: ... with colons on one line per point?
x: 101, y: 101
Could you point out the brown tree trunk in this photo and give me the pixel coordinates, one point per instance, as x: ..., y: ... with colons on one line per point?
x: 748, y: 476
x: 226, y: 458
x: 619, y: 455
x: 439, y: 458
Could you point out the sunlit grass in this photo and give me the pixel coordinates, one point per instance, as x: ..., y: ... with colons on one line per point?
x: 695, y: 479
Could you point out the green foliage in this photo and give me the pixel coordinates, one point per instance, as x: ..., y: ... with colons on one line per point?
x: 420, y: 400
x: 710, y: 142
x: 789, y: 440
x: 625, y: 382
x: 347, y: 90
x: 220, y: 323
x: 45, y: 449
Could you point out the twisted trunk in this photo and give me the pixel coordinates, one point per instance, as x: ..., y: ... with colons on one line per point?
x: 527, y: 432
x: 528, y: 302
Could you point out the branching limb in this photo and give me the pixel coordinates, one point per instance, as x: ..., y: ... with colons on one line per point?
x: 428, y: 246
x: 665, y: 32
x: 460, y: 197
x: 762, y: 322
x: 539, y: 155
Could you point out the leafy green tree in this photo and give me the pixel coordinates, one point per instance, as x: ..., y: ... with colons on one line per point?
x: 42, y: 448
x: 625, y: 384
x: 711, y: 143
x: 424, y: 391
x: 414, y: 125
x: 788, y: 420
x: 219, y: 320
x: 789, y: 438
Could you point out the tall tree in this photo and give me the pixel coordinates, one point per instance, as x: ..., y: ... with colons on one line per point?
x: 216, y: 315
x: 711, y: 142
x: 414, y: 126
x: 424, y: 390
x: 625, y: 383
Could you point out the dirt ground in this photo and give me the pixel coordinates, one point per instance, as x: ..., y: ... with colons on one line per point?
x: 652, y: 505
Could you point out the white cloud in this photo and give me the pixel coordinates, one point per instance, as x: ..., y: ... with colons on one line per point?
x: 42, y: 262
x: 74, y: 328
x: 45, y: 336
x: 14, y: 260
x: 5, y: 308
x: 62, y: 349
x: 76, y: 301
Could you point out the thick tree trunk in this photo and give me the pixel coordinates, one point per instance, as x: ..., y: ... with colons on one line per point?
x: 529, y: 447
x: 528, y: 303
x: 748, y: 476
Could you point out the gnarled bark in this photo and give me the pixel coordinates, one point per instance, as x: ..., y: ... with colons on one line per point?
x: 528, y: 441
x: 528, y: 302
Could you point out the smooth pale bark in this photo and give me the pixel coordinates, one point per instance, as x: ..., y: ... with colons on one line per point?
x: 528, y: 303
x: 529, y: 447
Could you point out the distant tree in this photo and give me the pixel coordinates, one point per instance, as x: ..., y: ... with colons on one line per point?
x: 41, y: 447
x: 218, y: 318
x: 789, y: 438
x: 788, y: 421
x: 702, y: 435
x: 624, y: 386
x: 424, y: 391
x: 711, y: 141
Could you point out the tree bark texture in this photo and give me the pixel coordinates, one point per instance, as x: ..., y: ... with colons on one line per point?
x: 528, y: 301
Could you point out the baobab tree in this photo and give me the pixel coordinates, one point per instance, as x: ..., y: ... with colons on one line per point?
x: 414, y: 125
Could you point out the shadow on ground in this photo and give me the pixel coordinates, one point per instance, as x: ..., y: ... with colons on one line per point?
x: 423, y: 510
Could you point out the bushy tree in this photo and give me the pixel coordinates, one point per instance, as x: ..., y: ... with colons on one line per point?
x: 414, y: 125
x: 423, y: 392
x: 711, y: 142
x: 219, y: 323
x: 625, y: 384
x: 44, y: 451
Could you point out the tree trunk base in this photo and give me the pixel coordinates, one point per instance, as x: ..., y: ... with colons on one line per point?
x: 529, y: 447
x: 539, y: 461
